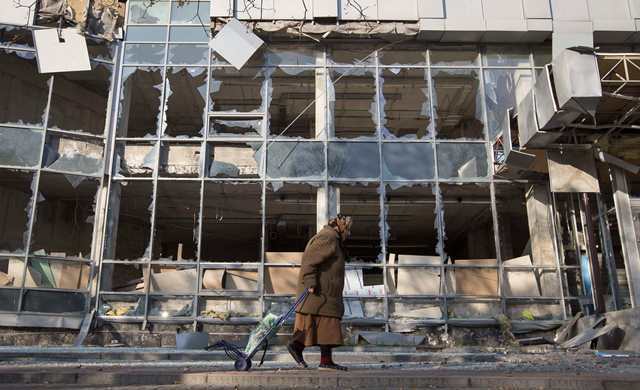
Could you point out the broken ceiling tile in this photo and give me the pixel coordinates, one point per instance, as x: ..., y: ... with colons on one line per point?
x: 572, y: 171
x: 67, y: 53
x: 16, y: 12
x: 236, y: 43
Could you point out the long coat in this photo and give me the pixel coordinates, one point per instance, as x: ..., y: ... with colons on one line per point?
x: 323, y: 269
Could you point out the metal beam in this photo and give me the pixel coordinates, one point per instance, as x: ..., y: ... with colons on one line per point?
x: 628, y: 237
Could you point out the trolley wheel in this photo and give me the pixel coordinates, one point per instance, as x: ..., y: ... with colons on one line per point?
x: 242, y: 364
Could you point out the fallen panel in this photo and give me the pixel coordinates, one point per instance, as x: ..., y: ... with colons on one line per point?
x: 529, y: 133
x: 20, y: 147
x: 236, y: 43
x: 520, y: 282
x: 477, y: 281
x: 65, y: 53
x: 572, y: 171
x: 418, y: 281
x: 547, y: 111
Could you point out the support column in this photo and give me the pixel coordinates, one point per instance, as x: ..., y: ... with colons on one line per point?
x: 628, y: 236
x: 542, y: 238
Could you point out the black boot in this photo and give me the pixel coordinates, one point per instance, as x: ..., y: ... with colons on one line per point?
x: 295, y: 350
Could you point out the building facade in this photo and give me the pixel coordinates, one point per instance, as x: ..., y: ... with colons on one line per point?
x: 167, y: 186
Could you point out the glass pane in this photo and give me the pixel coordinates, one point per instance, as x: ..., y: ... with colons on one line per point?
x: 407, y: 161
x: 457, y: 104
x: 406, y: 105
x: 454, y: 56
x: 64, y: 215
x: 148, y: 12
x: 19, y: 77
x: 352, y: 102
x: 236, y: 90
x: 177, y: 216
x: 15, y: 36
x: 354, y: 160
x: 228, y: 309
x: 290, y: 217
x: 292, y: 106
x: 415, y: 310
x: 362, y: 204
x: 54, y: 302
x: 230, y: 280
x: 84, y: 109
x: 15, y: 190
x: 146, y: 34
x: 507, y: 56
x: 20, y: 147
x: 179, y: 159
x: 503, y: 90
x: 188, y: 34
x: 192, y: 12
x: 73, y: 155
x: 351, y: 55
x: 541, y: 55
x: 169, y: 279
x: 144, y: 53
x: 9, y: 299
x: 140, y: 102
x: 232, y: 223
x: 295, y: 159
x: 237, y: 160
x: 121, y: 306
x: 129, y: 228
x: 186, y: 104
x: 464, y: 161
x: 188, y: 54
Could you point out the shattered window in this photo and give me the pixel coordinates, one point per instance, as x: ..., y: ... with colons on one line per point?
x: 230, y: 126
x: 231, y: 224
x: 73, y: 155
x: 20, y: 147
x: 362, y: 203
x: 185, y: 101
x: 354, y: 160
x: 149, y: 12
x: 140, y: 102
x: 351, y: 55
x: 15, y: 36
x: 180, y: 159
x: 160, y: 307
x: 292, y: 111
x: 64, y: 216
x: 352, y: 101
x: 290, y: 217
x: 236, y: 90
x: 129, y: 225
x: 462, y: 160
x: 123, y: 277
x: 234, y: 160
x: 55, y: 302
x: 406, y: 105
x: 295, y: 160
x: 503, y: 89
x: 457, y: 104
x: 408, y: 161
x: 68, y: 275
x: 398, y: 56
x: 79, y: 100
x: 177, y: 220
x: 192, y: 12
x: 16, y: 196
x: 135, y: 159
x: 279, y: 55
x: 24, y: 92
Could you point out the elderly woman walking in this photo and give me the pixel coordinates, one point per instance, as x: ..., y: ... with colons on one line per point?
x: 322, y: 274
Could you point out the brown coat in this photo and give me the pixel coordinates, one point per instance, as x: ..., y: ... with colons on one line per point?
x: 323, y: 269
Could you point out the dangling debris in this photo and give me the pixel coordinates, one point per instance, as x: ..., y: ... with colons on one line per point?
x: 61, y: 50
x: 236, y: 43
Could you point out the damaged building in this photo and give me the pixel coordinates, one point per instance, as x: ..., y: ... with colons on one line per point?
x: 164, y: 162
